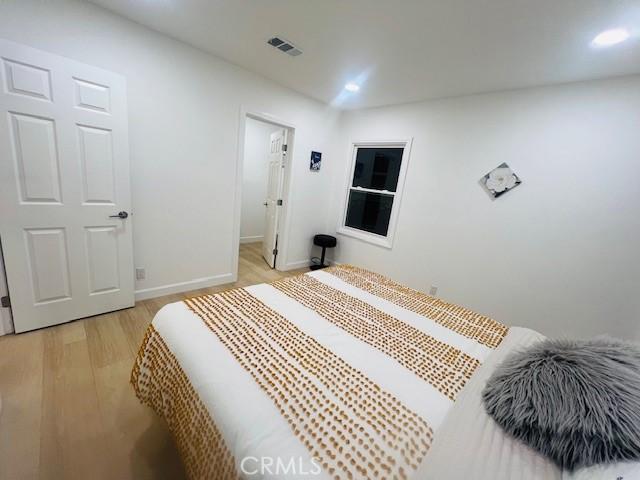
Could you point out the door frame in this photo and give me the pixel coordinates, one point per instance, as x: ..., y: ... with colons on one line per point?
x: 6, y: 322
x: 285, y: 214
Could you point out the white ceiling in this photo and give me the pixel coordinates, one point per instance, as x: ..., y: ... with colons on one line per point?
x: 403, y: 50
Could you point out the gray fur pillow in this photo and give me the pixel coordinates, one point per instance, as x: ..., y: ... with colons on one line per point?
x: 577, y: 402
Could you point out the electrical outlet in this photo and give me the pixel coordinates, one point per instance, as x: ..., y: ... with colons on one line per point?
x: 433, y: 290
x: 140, y: 274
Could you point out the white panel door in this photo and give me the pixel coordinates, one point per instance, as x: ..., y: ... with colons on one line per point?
x: 274, y: 191
x: 64, y: 173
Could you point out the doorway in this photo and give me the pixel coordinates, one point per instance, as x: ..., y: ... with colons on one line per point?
x: 265, y: 147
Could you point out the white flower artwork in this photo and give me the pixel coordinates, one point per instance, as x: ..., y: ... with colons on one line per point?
x: 500, y: 180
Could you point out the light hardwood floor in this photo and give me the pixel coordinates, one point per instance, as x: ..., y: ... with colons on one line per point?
x: 68, y: 410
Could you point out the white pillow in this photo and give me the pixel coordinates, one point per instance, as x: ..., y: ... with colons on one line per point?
x: 609, y: 471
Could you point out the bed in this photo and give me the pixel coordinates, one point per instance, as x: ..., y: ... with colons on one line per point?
x: 339, y: 373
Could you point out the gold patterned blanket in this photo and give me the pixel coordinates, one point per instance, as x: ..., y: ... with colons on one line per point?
x: 339, y: 373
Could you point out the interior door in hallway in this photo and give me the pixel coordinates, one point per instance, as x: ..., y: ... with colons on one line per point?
x: 64, y: 188
x: 273, y: 202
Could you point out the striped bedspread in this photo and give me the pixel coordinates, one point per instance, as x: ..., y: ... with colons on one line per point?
x: 339, y: 373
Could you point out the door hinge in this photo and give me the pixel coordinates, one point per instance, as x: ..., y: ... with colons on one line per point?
x: 5, y: 302
x: 284, y: 148
x: 275, y: 251
x: 279, y: 202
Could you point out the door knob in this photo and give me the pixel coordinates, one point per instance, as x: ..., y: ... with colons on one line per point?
x: 266, y: 203
x: 122, y: 215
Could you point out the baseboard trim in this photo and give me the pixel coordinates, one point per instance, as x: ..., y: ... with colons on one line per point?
x: 194, y: 284
x: 254, y: 239
x: 295, y: 265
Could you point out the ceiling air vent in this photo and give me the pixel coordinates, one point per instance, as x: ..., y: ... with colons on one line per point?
x: 284, y: 46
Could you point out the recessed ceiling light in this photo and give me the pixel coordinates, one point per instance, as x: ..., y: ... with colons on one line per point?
x: 610, y: 37
x: 352, y: 87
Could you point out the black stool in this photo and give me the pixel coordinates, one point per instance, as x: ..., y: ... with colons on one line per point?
x: 324, y: 241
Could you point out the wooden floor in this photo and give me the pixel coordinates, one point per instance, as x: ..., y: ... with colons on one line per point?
x: 68, y: 410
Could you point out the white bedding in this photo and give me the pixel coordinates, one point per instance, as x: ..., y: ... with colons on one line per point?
x: 328, y: 375
x: 613, y: 471
x: 472, y: 446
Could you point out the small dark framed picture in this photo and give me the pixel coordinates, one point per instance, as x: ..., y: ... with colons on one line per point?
x: 316, y: 161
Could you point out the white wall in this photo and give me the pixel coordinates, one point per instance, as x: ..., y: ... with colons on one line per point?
x: 184, y: 114
x: 560, y: 252
x: 255, y: 174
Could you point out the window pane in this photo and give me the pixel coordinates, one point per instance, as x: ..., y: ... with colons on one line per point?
x: 369, y: 212
x: 377, y: 168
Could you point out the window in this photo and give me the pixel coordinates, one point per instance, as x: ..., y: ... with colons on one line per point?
x: 374, y: 190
